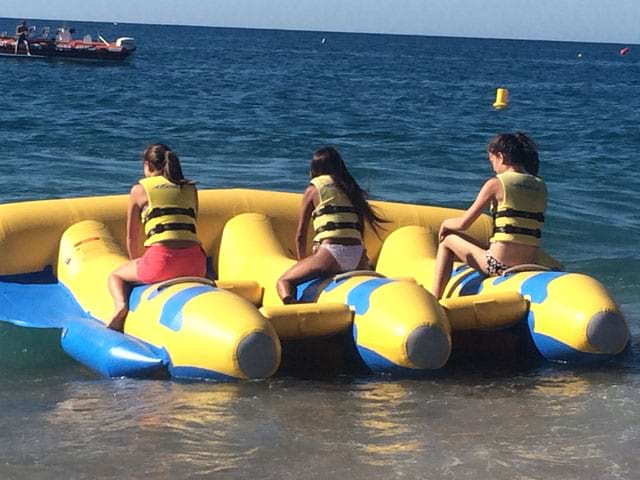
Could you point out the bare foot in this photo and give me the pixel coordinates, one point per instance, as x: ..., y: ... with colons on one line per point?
x: 117, y: 321
x: 289, y: 299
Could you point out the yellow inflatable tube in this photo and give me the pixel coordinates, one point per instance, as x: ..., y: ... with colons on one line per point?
x: 204, y: 331
x: 570, y: 316
x: 397, y: 325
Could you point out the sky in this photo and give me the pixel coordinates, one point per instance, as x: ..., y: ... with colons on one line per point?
x: 611, y: 21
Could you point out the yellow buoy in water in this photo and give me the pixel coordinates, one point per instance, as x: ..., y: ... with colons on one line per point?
x: 502, y: 98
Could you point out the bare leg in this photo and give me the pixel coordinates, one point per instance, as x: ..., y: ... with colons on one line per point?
x: 119, y: 286
x: 321, y: 262
x: 444, y: 265
x: 451, y: 247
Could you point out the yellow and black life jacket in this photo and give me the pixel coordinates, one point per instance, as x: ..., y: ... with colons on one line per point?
x: 171, y: 211
x: 519, y: 218
x: 334, y: 216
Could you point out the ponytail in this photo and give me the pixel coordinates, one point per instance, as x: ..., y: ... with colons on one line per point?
x: 172, y: 170
x: 328, y: 161
x: 162, y: 159
x: 530, y: 158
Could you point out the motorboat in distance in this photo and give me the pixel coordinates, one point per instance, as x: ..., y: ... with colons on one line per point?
x: 63, y: 46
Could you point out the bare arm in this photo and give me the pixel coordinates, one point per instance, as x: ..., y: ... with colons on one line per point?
x: 137, y: 200
x: 309, y: 200
x: 489, y: 191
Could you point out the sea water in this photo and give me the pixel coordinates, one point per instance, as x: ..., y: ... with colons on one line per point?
x: 412, y: 116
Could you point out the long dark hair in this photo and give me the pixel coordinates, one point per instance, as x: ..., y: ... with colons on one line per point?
x: 162, y: 159
x: 517, y: 149
x: 328, y: 161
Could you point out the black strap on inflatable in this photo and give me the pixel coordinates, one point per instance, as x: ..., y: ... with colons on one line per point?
x: 329, y: 209
x: 329, y: 226
x: 161, y: 211
x: 510, y: 212
x: 165, y: 227
x: 510, y: 229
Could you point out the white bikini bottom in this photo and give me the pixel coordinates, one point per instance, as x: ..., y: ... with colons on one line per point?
x: 347, y: 256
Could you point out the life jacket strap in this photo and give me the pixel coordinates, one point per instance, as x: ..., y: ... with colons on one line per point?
x: 510, y: 212
x: 161, y: 211
x: 329, y: 209
x: 510, y: 229
x: 165, y: 227
x: 329, y: 226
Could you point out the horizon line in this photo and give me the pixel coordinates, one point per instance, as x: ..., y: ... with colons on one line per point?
x: 326, y: 31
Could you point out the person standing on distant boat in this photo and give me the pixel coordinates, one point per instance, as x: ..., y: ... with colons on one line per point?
x: 22, y: 36
x: 339, y: 209
x: 518, y: 199
x: 165, y: 204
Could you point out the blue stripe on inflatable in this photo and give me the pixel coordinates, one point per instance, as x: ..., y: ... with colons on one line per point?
x: 472, y: 284
x: 194, y: 373
x: 153, y: 294
x: 171, y: 316
x: 457, y: 271
x: 308, y: 291
x: 552, y: 349
x: 379, y: 364
x: 135, y: 297
x: 359, y: 296
x: 537, y: 286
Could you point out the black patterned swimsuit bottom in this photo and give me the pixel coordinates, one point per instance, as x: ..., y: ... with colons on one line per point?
x: 495, y: 267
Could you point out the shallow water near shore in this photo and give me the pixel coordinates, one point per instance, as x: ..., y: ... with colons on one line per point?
x: 412, y: 116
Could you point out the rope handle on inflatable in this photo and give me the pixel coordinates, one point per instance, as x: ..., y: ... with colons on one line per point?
x: 526, y: 267
x: 358, y: 273
x: 175, y: 281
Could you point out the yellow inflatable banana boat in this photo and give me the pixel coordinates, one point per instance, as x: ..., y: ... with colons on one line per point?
x: 570, y: 316
x: 55, y: 257
x: 203, y: 331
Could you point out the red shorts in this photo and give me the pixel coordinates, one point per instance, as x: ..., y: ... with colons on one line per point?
x: 160, y: 263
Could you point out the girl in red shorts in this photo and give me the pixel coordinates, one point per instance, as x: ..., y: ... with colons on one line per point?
x: 166, y: 205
